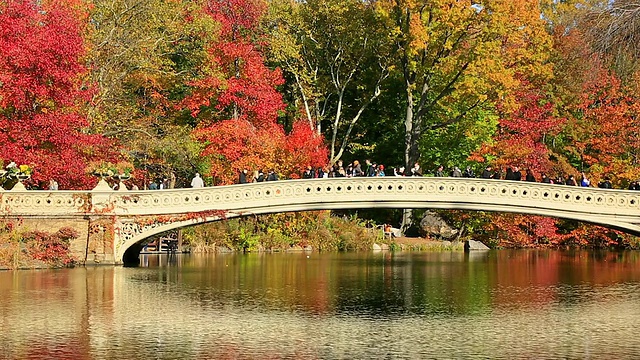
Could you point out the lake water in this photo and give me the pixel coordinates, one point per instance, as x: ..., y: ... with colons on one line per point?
x: 403, y: 305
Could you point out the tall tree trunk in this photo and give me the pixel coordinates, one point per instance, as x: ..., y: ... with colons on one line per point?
x: 407, y: 218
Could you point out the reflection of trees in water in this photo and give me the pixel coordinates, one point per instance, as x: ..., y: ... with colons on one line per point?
x: 405, y: 283
x: 257, y: 301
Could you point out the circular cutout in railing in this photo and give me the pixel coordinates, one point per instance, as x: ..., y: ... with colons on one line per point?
x: 318, y: 189
x: 328, y: 188
x: 339, y: 188
x: 349, y: 188
x: 588, y: 198
x: 514, y: 191
x: 441, y: 188
x: 399, y: 187
x: 308, y: 189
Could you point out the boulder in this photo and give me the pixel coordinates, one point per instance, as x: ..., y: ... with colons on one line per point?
x: 471, y: 245
x: 433, y: 225
x: 376, y: 247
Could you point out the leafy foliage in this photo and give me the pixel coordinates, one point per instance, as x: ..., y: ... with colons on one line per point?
x: 235, y: 145
x: 41, y: 95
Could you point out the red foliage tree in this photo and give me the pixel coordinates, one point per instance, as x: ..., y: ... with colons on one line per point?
x: 242, y: 87
x: 239, y: 125
x: 41, y: 94
x: 521, y: 137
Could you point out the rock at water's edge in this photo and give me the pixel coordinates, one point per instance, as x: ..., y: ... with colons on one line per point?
x: 433, y: 225
x: 470, y: 245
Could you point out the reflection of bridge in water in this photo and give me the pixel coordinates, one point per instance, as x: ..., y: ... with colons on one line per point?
x: 112, y: 222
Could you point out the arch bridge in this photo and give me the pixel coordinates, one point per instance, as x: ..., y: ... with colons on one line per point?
x: 110, y: 222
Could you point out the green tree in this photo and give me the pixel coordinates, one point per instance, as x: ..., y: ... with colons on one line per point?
x: 338, y: 57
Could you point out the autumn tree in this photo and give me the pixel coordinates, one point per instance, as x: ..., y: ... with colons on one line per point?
x: 243, y: 87
x: 235, y: 145
x: 42, y: 94
x: 237, y: 110
x: 524, y: 134
x: 337, y: 55
x: 455, y: 57
x: 142, y: 54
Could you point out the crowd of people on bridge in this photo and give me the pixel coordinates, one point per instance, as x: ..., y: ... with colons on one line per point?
x: 372, y: 169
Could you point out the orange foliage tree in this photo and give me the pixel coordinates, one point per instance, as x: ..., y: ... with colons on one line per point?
x: 234, y: 145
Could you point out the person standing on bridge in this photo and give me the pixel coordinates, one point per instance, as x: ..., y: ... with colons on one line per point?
x: 272, y: 176
x: 468, y: 173
x: 197, y: 182
x: 309, y: 173
x: 584, y: 181
x: 53, y: 185
x: 243, y: 176
x: 530, y: 177
x: 487, y: 174
x: 605, y: 184
x: 439, y: 172
x: 517, y: 174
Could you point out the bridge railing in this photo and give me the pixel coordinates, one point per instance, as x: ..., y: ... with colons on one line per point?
x: 326, y: 193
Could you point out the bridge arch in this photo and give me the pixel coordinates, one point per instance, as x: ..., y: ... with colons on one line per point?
x: 617, y: 209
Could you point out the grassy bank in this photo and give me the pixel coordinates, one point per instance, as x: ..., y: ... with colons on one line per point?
x: 319, y: 231
x: 281, y: 232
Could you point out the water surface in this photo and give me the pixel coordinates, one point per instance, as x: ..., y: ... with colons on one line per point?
x: 498, y: 304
